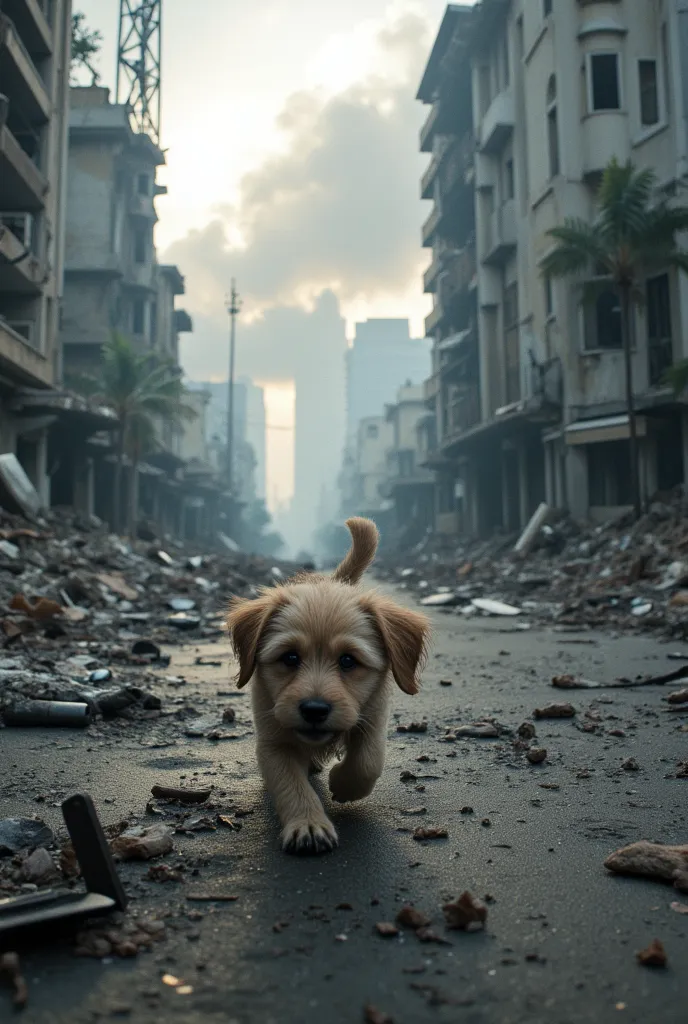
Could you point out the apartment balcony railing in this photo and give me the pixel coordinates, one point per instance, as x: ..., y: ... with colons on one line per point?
x: 461, y: 413
x: 440, y: 146
x: 498, y: 123
x: 430, y: 226
x: 434, y: 319
x: 431, y: 389
x: 499, y: 237
x: 458, y: 275
x: 30, y: 93
x: 428, y: 129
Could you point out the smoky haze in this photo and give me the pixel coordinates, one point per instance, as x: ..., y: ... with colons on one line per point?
x: 331, y: 219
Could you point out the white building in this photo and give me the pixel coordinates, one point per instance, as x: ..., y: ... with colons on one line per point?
x: 558, y: 90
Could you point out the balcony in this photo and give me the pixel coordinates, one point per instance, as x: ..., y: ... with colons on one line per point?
x: 24, y: 187
x: 19, y: 357
x: 459, y: 164
x: 499, y: 237
x: 461, y: 413
x: 431, y: 389
x: 459, y: 274
x: 430, y: 227
x: 142, y: 206
x: 603, y: 137
x: 439, y: 150
x: 498, y: 123
x: 434, y: 319
x: 23, y: 276
x: 183, y: 323
x: 19, y: 78
x: 31, y: 21
x: 140, y: 275
x: 428, y: 129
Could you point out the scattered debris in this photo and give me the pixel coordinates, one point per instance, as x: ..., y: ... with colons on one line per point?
x: 490, y: 607
x: 536, y: 755
x: 480, y: 730
x: 430, y: 833
x: 555, y: 711
x: 386, y: 929
x: 411, y: 917
x: 465, y: 912
x: 23, y: 834
x: 678, y: 697
x: 652, y: 860
x: 143, y: 842
x: 39, y: 867
x: 653, y: 956
x: 413, y: 727
x: 371, y: 1015
x: 630, y: 765
x: 183, y: 796
x: 679, y: 908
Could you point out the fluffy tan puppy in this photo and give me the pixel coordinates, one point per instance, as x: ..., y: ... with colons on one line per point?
x: 322, y: 655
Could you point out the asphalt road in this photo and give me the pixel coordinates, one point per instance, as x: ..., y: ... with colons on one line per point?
x: 299, y: 942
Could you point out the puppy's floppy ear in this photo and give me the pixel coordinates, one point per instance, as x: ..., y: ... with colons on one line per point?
x: 405, y: 635
x: 246, y: 622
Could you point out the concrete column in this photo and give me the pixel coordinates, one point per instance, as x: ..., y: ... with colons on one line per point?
x: 577, y: 481
x: 523, y: 503
x: 83, y: 484
x: 648, y: 468
x: 550, y: 483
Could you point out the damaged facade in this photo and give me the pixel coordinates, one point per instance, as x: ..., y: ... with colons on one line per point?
x: 114, y: 282
x: 34, y: 77
x: 528, y: 102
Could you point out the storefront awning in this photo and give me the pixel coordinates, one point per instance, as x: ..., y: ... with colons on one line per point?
x: 606, y: 428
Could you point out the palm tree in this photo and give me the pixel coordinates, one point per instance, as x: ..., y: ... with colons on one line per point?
x: 141, y: 389
x: 632, y: 236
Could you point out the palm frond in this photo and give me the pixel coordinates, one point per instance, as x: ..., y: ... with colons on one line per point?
x: 623, y: 199
x: 578, y: 249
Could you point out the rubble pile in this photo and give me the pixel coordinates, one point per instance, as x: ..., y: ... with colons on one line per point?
x: 620, y: 575
x: 84, y: 616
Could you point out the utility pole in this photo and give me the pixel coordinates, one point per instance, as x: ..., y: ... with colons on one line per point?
x: 233, y: 308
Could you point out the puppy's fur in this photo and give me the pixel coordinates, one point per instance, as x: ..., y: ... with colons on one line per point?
x: 320, y: 639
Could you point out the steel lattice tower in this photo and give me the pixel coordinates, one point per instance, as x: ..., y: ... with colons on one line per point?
x: 138, y: 64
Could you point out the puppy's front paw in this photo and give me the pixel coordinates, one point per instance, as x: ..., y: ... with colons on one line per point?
x: 309, y: 837
x: 346, y: 785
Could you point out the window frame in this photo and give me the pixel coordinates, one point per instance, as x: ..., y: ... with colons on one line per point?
x: 589, y: 309
x: 661, y: 118
x: 589, y: 57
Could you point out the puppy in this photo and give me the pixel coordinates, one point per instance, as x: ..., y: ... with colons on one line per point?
x: 322, y: 654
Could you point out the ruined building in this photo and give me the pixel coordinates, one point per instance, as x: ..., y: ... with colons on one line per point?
x: 35, y: 40
x: 528, y: 102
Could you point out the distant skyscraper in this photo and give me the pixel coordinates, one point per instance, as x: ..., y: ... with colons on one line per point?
x: 382, y: 358
x: 249, y: 419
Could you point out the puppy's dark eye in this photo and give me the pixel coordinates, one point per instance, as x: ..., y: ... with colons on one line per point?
x: 347, y: 662
x: 291, y: 659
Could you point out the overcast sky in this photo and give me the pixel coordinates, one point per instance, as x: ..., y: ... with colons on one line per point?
x: 292, y: 137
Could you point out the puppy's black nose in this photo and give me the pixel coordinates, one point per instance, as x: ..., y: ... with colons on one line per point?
x: 314, y: 711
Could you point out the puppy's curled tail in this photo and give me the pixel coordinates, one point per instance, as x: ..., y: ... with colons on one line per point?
x: 364, y: 537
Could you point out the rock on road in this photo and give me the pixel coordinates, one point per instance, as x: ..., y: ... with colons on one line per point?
x: 299, y: 942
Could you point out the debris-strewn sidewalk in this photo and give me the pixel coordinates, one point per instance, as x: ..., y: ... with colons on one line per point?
x: 84, y: 617
x: 620, y: 575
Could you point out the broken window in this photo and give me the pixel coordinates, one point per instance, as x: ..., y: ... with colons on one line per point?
x: 143, y: 185
x: 140, y: 245
x: 605, y: 91
x: 659, y: 343
x: 406, y: 463
x: 603, y: 321
x: 649, y: 92
x: 512, y: 358
x: 546, y: 8
x: 372, y: 431
x: 138, y: 316
x: 609, y: 474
